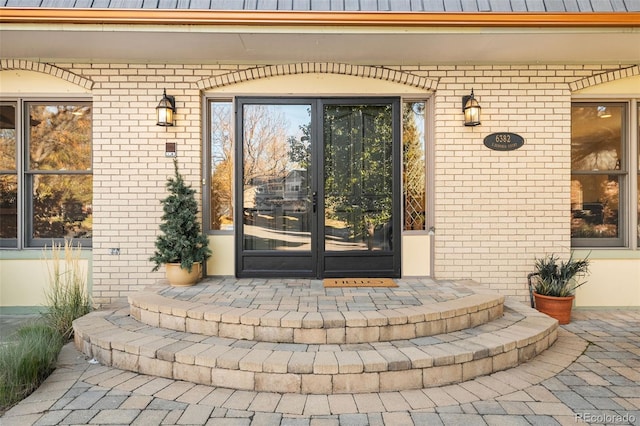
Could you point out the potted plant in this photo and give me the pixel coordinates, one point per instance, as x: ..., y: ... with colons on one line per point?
x: 182, y: 247
x: 553, y: 285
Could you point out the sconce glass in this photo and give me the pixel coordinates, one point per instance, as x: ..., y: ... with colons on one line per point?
x: 471, y: 109
x: 166, y: 110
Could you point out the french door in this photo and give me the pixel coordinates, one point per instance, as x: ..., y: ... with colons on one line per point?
x: 319, y: 185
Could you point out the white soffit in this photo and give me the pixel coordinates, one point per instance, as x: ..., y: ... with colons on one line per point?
x: 194, y: 44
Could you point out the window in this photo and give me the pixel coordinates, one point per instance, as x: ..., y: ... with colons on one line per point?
x: 413, y: 168
x: 45, y: 173
x: 8, y: 176
x: 599, y: 174
x: 220, y: 213
x: 221, y: 134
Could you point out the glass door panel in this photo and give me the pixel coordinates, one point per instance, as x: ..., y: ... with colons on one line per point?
x: 276, y: 191
x: 358, y: 197
x: 274, y: 181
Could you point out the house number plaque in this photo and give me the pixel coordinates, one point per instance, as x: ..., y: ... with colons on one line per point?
x: 503, y: 141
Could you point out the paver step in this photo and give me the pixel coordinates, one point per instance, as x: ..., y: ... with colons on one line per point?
x: 117, y: 339
x: 358, y: 325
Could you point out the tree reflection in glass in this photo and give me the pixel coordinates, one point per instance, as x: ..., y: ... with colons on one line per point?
x: 276, y: 177
x: 59, y: 170
x: 598, y: 169
x: 8, y: 176
x: 358, y: 141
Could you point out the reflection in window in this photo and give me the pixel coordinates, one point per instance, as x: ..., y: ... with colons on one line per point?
x: 276, y: 177
x: 597, y: 215
x: 413, y: 177
x: 9, y: 208
x: 8, y: 177
x: 60, y: 137
x: 62, y: 206
x: 358, y: 174
x: 59, y: 176
x: 221, y: 213
x: 598, y: 173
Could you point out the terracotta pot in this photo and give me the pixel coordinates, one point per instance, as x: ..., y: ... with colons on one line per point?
x: 179, y: 277
x: 556, y: 307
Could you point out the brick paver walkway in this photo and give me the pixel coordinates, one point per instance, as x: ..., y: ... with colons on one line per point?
x: 590, y: 376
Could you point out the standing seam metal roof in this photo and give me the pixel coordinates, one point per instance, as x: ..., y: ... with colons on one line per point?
x: 503, y: 6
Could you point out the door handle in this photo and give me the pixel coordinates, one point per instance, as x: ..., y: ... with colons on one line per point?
x: 314, y: 201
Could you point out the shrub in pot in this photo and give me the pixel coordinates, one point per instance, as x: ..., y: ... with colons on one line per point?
x: 553, y: 285
x: 181, y: 246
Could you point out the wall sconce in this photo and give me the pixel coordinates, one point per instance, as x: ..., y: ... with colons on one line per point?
x: 165, y: 110
x: 471, y: 109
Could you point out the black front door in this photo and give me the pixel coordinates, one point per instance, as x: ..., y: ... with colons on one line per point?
x: 319, y: 185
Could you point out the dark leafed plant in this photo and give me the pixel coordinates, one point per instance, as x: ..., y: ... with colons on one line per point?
x: 181, y: 240
x: 555, y: 277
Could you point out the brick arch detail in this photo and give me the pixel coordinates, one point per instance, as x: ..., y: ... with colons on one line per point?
x: 605, y: 78
x: 380, y: 73
x: 15, y: 64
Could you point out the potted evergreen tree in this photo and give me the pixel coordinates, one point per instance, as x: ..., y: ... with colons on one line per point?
x: 182, y: 247
x: 553, y: 284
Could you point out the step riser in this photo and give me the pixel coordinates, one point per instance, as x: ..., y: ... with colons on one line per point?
x: 319, y: 383
x: 323, y: 335
x: 318, y: 328
x: 331, y: 370
x: 231, y: 334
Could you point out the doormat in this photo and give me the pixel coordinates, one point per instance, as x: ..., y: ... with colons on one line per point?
x: 359, y: 282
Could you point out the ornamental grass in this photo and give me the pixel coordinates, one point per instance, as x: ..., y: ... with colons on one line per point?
x: 67, y: 296
x: 26, y: 360
x: 30, y: 355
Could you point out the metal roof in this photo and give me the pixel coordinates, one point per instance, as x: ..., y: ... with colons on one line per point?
x: 437, y: 6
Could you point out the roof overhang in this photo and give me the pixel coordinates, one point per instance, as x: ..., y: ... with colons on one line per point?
x: 204, y: 36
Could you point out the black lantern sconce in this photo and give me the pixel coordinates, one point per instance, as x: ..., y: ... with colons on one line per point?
x: 166, y: 110
x: 471, y: 109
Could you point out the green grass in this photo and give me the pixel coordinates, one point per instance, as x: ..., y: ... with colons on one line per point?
x: 26, y: 360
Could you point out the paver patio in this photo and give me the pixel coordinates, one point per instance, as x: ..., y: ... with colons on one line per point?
x: 590, y: 375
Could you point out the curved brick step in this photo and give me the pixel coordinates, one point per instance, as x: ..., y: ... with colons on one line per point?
x: 327, y: 327
x: 116, y: 339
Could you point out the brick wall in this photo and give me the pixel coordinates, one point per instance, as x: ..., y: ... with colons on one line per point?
x: 130, y: 168
x: 495, y: 211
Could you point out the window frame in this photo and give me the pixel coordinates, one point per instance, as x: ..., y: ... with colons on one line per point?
x: 209, y: 99
x: 634, y: 184
x: 14, y: 243
x: 627, y: 220
x: 207, y: 183
x: 25, y: 208
x: 429, y: 175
